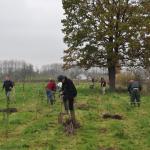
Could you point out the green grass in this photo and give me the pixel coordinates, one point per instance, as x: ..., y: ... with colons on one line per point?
x: 35, y: 125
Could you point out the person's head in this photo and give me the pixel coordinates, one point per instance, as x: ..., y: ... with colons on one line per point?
x: 61, y: 78
x: 131, y: 81
x: 7, y: 77
x: 102, y: 79
x: 50, y: 80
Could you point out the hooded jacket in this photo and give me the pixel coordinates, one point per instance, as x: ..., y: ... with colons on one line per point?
x: 68, y: 88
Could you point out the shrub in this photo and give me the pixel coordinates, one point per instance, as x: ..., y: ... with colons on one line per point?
x: 122, y: 79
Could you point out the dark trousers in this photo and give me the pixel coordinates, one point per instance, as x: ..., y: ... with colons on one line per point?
x: 49, y: 97
x: 135, y: 97
x: 68, y: 103
x: 7, y: 94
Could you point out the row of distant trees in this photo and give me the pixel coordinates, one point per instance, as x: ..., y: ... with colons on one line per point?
x: 76, y: 72
x: 23, y: 71
x: 18, y: 70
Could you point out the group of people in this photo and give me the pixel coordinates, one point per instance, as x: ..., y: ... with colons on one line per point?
x: 134, y: 89
x: 68, y: 92
x: 65, y: 87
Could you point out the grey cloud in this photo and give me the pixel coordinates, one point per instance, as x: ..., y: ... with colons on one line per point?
x: 31, y: 30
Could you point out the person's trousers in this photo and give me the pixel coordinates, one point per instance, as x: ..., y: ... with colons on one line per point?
x: 7, y: 93
x: 135, y: 96
x: 68, y: 103
x: 53, y: 95
x: 103, y: 90
x: 49, y: 97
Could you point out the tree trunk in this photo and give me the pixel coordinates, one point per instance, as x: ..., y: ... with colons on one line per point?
x: 112, y: 77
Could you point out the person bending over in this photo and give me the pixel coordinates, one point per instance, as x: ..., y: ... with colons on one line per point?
x: 68, y: 93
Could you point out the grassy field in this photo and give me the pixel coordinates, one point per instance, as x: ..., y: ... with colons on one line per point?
x: 35, y: 125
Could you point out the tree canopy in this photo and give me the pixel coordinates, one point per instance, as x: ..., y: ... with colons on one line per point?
x: 105, y: 33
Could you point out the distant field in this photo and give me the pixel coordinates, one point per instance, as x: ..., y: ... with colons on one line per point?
x: 35, y: 125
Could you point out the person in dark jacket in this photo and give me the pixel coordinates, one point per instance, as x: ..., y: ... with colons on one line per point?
x: 69, y: 92
x: 8, y: 85
x: 134, y: 89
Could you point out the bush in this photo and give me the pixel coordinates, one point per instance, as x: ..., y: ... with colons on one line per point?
x: 146, y: 87
x: 123, y: 79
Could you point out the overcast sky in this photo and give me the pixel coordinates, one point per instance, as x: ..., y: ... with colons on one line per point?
x: 30, y: 30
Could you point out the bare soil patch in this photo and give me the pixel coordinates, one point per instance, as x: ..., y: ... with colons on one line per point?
x: 112, y: 116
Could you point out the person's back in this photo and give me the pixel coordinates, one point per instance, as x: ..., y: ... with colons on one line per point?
x: 136, y: 85
x: 54, y: 86
x: 134, y: 89
x: 51, y: 86
x: 68, y: 88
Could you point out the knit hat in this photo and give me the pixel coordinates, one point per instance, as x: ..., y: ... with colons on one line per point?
x: 60, y: 78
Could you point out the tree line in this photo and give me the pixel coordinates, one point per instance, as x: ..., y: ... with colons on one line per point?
x: 18, y: 70
x: 23, y: 71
